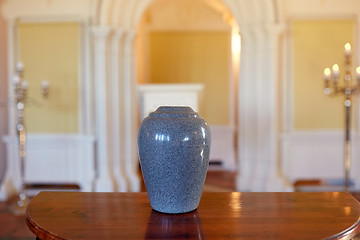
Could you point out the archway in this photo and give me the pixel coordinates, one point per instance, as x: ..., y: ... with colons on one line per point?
x: 258, y: 160
x: 109, y: 55
x: 191, y: 44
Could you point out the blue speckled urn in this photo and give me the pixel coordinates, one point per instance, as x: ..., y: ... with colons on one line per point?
x: 174, y: 145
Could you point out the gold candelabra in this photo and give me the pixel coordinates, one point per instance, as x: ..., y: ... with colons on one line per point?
x: 21, y: 87
x: 21, y: 97
x: 332, y: 88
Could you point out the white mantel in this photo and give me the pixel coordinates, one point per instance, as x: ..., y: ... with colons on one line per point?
x: 152, y: 96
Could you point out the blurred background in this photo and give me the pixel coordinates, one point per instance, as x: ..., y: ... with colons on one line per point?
x: 253, y: 70
x: 90, y: 70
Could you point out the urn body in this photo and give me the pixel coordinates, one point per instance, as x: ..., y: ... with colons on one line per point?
x: 174, y: 146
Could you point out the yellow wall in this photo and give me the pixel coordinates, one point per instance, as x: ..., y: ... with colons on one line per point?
x: 195, y: 57
x: 51, y: 51
x: 318, y: 44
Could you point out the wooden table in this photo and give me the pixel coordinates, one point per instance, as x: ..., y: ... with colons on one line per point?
x: 75, y: 215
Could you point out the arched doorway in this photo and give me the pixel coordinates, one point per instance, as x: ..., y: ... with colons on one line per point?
x: 187, y: 42
x: 258, y: 158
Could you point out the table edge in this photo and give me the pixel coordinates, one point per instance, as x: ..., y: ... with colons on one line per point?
x: 348, y: 233
x: 39, y: 232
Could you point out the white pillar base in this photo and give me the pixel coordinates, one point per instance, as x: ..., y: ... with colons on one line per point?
x: 134, y: 182
x: 121, y: 184
x: 104, y: 184
x: 277, y: 184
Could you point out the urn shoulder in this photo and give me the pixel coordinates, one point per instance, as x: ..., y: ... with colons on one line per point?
x: 175, y: 125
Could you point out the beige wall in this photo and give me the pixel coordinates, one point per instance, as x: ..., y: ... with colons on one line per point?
x: 318, y: 44
x: 195, y: 57
x: 50, y: 51
x: 3, y: 92
x: 188, y: 15
x: 319, y: 8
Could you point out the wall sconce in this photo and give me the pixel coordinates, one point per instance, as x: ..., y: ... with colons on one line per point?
x: 21, y: 85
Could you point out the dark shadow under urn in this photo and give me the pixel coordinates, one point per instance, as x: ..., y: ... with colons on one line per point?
x: 180, y: 226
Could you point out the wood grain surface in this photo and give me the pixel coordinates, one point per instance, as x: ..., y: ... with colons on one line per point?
x: 75, y: 215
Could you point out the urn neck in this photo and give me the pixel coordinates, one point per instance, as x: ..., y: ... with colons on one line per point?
x: 174, y: 112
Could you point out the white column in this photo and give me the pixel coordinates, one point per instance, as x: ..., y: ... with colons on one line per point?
x: 12, y: 51
x: 116, y: 92
x: 130, y: 112
x: 260, y: 93
x: 86, y: 101
x: 246, y: 112
x: 11, y: 183
x: 274, y: 180
x: 103, y: 181
x: 258, y: 111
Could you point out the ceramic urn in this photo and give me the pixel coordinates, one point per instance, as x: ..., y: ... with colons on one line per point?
x: 174, y: 145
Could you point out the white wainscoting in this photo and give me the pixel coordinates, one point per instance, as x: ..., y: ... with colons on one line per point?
x: 319, y: 155
x: 51, y: 159
x: 223, y: 146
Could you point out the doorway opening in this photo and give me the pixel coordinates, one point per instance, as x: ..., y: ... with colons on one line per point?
x: 195, y: 42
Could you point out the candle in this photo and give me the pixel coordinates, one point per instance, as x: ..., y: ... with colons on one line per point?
x: 44, y: 84
x: 19, y: 66
x: 45, y: 88
x: 358, y: 73
x: 327, y: 73
x: 16, y: 79
x: 24, y: 85
x: 335, y: 70
x: 347, y: 49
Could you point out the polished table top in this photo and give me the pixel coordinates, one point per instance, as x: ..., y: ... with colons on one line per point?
x: 77, y: 215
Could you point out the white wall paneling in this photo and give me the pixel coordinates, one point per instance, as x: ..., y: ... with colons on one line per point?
x: 223, y: 146
x: 318, y: 155
x: 50, y: 159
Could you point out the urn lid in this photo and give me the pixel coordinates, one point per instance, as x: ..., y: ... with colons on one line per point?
x: 174, y: 112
